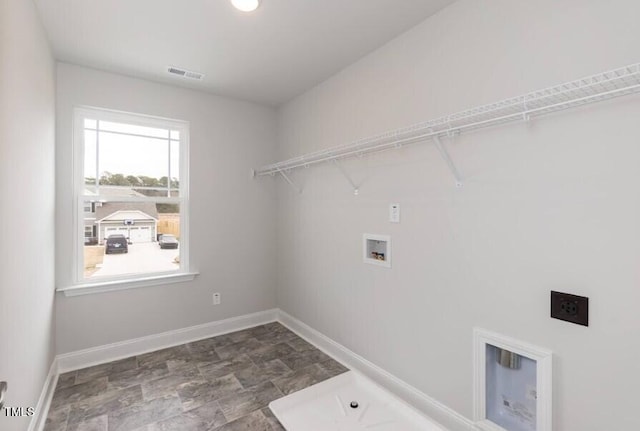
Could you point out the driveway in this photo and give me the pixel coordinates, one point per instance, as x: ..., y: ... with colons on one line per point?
x: 142, y: 257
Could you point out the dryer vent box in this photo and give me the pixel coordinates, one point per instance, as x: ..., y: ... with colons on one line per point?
x: 512, y: 385
x: 377, y: 249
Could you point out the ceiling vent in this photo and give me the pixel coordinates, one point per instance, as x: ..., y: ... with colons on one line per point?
x: 185, y: 73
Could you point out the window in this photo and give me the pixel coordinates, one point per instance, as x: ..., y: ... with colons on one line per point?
x: 131, y: 191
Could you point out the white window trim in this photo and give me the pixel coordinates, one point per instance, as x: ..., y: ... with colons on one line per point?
x: 124, y: 284
x: 81, y: 285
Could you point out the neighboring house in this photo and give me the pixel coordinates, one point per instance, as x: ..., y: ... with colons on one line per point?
x: 90, y: 231
x: 135, y: 220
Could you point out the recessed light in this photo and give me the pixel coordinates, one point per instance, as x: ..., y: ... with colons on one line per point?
x: 246, y: 5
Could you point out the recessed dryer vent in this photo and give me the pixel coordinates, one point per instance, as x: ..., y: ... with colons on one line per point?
x: 376, y: 249
x: 512, y: 384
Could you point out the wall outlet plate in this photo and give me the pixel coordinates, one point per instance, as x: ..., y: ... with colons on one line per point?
x: 394, y: 213
x: 570, y: 308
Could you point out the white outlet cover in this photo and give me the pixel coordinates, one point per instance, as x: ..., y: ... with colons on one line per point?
x: 394, y: 213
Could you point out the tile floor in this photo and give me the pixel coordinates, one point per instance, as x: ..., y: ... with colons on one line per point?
x: 223, y: 383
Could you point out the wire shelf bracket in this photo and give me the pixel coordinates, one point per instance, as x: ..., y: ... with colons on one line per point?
x: 447, y: 158
x: 356, y: 188
x: 289, y: 181
x: 596, y: 88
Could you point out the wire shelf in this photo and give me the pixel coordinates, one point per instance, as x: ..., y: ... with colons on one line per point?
x: 595, y: 88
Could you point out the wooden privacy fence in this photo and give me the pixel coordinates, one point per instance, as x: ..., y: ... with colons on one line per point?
x: 169, y: 224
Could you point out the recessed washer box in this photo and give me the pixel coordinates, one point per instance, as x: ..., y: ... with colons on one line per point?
x: 376, y: 249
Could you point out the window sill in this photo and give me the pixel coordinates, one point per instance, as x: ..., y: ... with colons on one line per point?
x: 113, y: 285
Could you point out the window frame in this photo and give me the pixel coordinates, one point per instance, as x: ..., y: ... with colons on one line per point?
x: 83, y: 285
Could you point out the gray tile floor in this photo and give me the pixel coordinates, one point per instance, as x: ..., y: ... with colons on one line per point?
x: 223, y: 383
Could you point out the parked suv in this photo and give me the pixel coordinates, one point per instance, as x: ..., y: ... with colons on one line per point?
x: 168, y: 241
x: 116, y: 244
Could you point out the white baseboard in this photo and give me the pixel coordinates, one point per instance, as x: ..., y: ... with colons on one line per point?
x: 42, y: 408
x: 124, y: 349
x: 440, y: 413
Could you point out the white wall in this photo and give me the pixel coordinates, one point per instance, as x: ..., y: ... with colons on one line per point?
x: 550, y: 205
x: 232, y: 216
x: 27, y: 128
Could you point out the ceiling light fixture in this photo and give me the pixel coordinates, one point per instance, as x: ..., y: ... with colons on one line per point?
x: 246, y: 5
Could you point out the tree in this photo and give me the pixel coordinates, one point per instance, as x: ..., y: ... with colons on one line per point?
x: 109, y: 179
x: 119, y: 180
x: 133, y: 180
x: 149, y: 181
x: 105, y: 178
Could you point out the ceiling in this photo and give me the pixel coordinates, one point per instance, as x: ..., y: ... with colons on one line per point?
x: 268, y: 56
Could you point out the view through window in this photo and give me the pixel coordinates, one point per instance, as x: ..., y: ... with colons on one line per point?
x: 131, y: 195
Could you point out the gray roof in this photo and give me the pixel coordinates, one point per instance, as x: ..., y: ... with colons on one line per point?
x: 109, y: 208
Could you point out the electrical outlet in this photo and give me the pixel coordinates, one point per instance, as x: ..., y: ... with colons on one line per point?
x: 216, y: 299
x: 570, y: 308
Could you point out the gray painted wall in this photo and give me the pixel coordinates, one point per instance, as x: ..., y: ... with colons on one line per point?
x: 232, y: 216
x: 552, y: 204
x: 27, y: 129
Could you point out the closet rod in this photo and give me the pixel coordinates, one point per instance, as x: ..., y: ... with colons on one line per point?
x: 595, y: 88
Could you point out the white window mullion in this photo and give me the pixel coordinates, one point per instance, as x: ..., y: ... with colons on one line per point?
x: 97, y: 157
x: 169, y: 168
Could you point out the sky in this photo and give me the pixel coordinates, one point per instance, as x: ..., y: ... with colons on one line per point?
x: 130, y: 155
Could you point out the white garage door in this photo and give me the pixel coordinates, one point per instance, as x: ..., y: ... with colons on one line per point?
x: 115, y: 231
x: 140, y: 234
x: 135, y: 233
